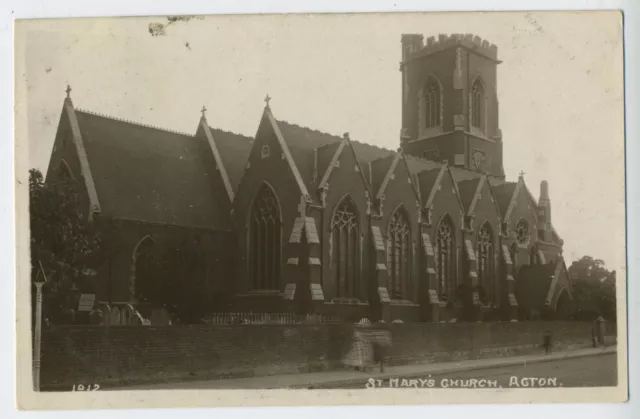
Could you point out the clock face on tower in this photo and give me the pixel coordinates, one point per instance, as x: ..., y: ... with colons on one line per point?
x: 478, y: 159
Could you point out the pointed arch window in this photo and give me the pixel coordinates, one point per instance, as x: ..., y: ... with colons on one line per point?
x: 432, y: 102
x: 399, y: 254
x: 431, y: 105
x: 265, y: 240
x: 477, y: 105
x: 485, y: 249
x: 345, y: 233
x: 445, y: 258
x: 146, y: 270
x: 522, y: 232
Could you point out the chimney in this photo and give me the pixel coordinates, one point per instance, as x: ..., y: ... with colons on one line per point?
x: 544, y: 210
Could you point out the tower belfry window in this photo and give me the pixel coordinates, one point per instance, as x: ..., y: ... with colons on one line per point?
x: 431, y: 105
x: 477, y: 105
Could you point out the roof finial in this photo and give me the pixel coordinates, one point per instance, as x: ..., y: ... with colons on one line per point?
x: 203, y: 110
x: 267, y: 99
x: 521, y: 176
x: 68, y: 92
x: 346, y: 136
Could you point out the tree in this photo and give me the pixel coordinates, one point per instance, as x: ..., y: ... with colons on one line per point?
x: 594, y: 289
x: 61, y: 242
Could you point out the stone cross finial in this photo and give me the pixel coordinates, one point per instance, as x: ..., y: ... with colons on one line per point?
x: 203, y: 110
x: 267, y: 99
x: 68, y: 92
x: 522, y: 173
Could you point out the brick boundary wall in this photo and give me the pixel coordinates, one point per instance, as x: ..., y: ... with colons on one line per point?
x: 115, y: 356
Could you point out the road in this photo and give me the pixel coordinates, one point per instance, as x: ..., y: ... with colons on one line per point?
x: 584, y: 371
x: 589, y: 371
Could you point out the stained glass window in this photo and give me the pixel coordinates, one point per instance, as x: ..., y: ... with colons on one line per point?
x: 399, y: 254
x: 345, y: 232
x: 265, y: 240
x: 485, y: 250
x: 445, y: 258
x: 522, y: 232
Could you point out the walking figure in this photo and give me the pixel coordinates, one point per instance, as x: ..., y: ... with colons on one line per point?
x: 547, y: 341
x: 361, y: 353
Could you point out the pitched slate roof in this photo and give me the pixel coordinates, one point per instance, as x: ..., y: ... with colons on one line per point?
x: 366, y: 153
x: 427, y: 180
x: 467, y: 190
x: 325, y: 156
x: 147, y: 174
x: 234, y: 150
x: 301, y: 142
x: 504, y: 193
x: 379, y: 169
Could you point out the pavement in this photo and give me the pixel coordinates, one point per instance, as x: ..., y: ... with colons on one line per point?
x: 349, y: 378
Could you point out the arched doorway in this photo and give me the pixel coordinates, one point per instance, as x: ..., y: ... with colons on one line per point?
x: 146, y: 282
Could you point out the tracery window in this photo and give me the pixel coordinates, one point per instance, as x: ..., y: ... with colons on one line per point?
x: 485, y: 249
x: 265, y: 240
x: 522, y: 232
x: 477, y: 104
x: 445, y: 259
x: 345, y: 232
x: 399, y: 254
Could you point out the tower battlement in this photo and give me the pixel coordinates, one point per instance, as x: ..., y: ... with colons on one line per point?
x: 418, y: 48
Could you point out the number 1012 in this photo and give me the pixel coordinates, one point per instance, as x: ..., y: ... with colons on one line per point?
x: 82, y: 387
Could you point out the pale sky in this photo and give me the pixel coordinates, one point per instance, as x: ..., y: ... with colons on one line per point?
x: 560, y: 88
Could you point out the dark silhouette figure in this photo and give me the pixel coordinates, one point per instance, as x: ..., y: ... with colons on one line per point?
x: 547, y: 341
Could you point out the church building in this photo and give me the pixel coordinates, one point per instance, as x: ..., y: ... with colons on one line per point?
x: 299, y: 220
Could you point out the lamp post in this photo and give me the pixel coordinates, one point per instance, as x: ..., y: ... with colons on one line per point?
x: 38, y: 334
x: 38, y: 331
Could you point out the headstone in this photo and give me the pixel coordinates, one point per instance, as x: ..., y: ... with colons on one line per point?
x: 86, y: 302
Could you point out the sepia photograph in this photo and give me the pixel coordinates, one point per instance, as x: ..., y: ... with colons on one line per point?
x: 292, y: 204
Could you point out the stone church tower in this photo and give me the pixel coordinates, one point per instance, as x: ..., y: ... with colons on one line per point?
x: 450, y: 103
